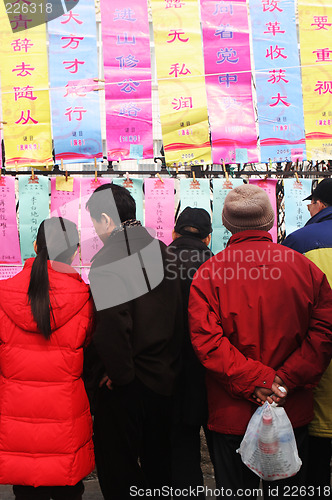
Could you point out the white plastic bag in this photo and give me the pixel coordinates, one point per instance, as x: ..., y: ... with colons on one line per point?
x: 268, y: 447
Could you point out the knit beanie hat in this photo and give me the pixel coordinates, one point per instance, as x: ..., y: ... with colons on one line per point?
x: 247, y: 207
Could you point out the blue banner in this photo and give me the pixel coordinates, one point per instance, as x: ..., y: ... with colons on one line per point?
x: 278, y: 80
x: 296, y: 212
x: 135, y: 187
x: 73, y: 67
x: 195, y: 194
x: 33, y: 209
x: 221, y: 235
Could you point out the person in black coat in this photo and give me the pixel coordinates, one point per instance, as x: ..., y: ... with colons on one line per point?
x: 191, y: 237
x: 135, y: 353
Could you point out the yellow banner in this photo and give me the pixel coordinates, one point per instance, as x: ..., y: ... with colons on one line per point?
x: 181, y: 82
x: 25, y: 95
x: 315, y: 24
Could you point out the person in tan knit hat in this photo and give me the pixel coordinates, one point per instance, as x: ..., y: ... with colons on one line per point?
x: 260, y: 319
x: 247, y: 207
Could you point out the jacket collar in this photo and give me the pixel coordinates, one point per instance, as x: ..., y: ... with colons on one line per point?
x: 250, y: 235
x: 325, y: 214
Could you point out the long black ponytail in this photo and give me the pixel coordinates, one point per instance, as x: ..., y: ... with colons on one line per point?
x: 57, y: 239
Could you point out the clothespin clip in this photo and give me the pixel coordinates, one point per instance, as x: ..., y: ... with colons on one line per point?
x: 194, y: 177
x: 270, y: 164
x: 224, y: 168
x: 61, y: 163
x: 127, y: 176
x: 66, y: 174
x: 4, y: 123
x: 32, y: 174
x: 160, y: 178
x: 297, y: 177
x: 96, y: 176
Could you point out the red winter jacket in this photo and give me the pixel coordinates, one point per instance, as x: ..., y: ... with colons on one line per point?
x: 257, y: 309
x: 45, y: 421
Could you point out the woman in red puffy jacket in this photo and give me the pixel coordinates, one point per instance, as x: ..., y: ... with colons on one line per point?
x: 46, y: 318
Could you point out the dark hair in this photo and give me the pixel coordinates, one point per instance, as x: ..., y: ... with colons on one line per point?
x: 121, y: 205
x: 57, y: 239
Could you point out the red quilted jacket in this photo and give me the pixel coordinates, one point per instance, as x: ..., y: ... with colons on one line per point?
x: 257, y: 309
x: 45, y: 421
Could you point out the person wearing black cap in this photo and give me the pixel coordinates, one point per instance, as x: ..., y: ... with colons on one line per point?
x: 191, y: 237
x: 314, y: 240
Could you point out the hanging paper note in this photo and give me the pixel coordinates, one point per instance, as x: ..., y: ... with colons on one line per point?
x: 73, y: 68
x: 296, y: 212
x: 135, y: 187
x: 228, y: 81
x: 90, y: 242
x: 221, y: 235
x: 127, y: 69
x: 159, y: 208
x: 33, y: 209
x: 315, y: 28
x: 195, y: 194
x: 269, y: 186
x: 9, y: 242
x: 25, y: 95
x: 9, y: 271
x: 278, y: 80
x: 181, y: 84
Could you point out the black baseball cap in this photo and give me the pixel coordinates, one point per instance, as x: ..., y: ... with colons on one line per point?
x: 194, y: 217
x: 323, y: 192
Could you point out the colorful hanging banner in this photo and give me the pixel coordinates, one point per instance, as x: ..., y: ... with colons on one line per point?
x: 65, y: 203
x: 9, y: 271
x: 33, y: 209
x: 195, y: 194
x: 73, y: 68
x: 296, y: 211
x: 9, y: 242
x: 135, y: 187
x: 278, y: 80
x: 269, y: 186
x: 127, y: 69
x: 228, y: 81
x: 181, y: 85
x: 25, y: 94
x: 90, y: 242
x: 220, y: 234
x: 159, y: 208
x: 315, y: 27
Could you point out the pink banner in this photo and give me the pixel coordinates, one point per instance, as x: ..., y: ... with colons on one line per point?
x: 159, y: 208
x: 66, y: 204
x: 9, y: 271
x: 9, y: 242
x: 126, y: 47
x: 269, y: 186
x: 228, y: 81
x: 90, y: 242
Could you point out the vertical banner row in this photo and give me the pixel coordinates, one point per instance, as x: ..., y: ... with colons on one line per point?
x: 296, y: 212
x: 221, y: 235
x: 181, y: 84
x: 73, y: 68
x: 278, y: 80
x: 33, y: 209
x: 127, y: 67
x: 315, y: 26
x: 228, y: 81
x: 159, y: 208
x: 25, y: 94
